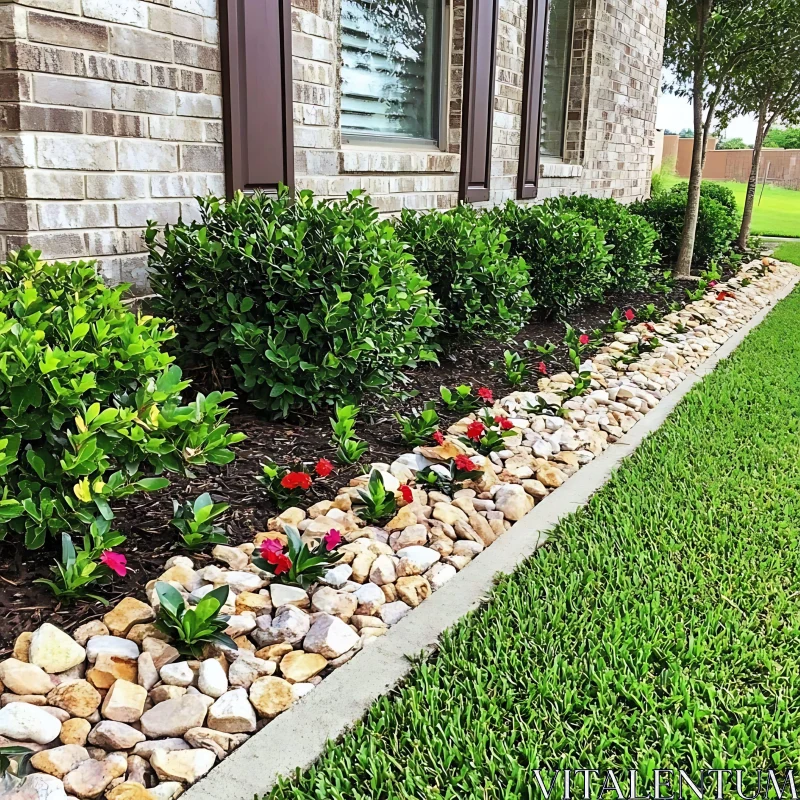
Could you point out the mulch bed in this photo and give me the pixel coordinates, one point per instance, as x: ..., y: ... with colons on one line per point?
x: 145, y: 518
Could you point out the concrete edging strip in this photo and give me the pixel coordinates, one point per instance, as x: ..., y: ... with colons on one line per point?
x: 296, y: 739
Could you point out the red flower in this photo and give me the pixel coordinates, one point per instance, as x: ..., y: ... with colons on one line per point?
x: 465, y: 463
x: 722, y: 295
x: 116, y: 562
x: 542, y: 368
x: 504, y: 422
x: 584, y: 338
x: 323, y: 468
x: 332, y: 539
x: 295, y: 480
x: 282, y: 564
x: 485, y: 394
x: 438, y: 437
x: 629, y: 314
x: 407, y: 494
x: 475, y: 430
x: 650, y: 326
x: 270, y: 550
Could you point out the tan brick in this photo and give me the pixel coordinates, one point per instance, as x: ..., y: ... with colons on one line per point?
x: 192, y: 105
x: 116, y: 187
x: 71, y: 92
x: 135, y: 98
x: 115, y: 242
x: 14, y: 86
x: 57, y: 244
x: 64, y: 6
x: 141, y: 44
x: 43, y: 185
x: 165, y: 20
x: 43, y: 118
x: 186, y: 185
x: 144, y: 156
x: 75, y: 152
x: 206, y: 8
x: 186, y: 80
x: 213, y: 132
x: 202, y: 158
x: 79, y: 33
x: 196, y: 55
x: 13, y: 22
x: 17, y: 151
x: 63, y: 216
x: 18, y: 216
x: 176, y: 129
x: 136, y: 215
x: 121, y: 70
x: 105, y: 123
x: 125, y: 12
x: 35, y: 57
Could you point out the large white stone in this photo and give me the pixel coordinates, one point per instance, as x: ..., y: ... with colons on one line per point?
x: 26, y: 723
x: 111, y: 646
x: 232, y: 713
x: 211, y: 679
x: 53, y: 650
x: 186, y: 766
x: 330, y: 637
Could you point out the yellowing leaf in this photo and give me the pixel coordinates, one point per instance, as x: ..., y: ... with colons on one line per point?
x: 80, y: 424
x: 82, y: 490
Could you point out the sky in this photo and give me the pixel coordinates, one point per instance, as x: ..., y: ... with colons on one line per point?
x: 675, y: 113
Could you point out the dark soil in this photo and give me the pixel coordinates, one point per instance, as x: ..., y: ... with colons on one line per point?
x: 145, y: 518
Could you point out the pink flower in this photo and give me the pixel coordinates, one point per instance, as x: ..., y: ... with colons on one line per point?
x: 323, y: 468
x: 271, y: 549
x: 542, y: 368
x: 332, y: 539
x: 116, y: 562
x: 485, y: 394
x: 295, y: 480
x: 584, y: 338
x: 712, y: 283
x: 629, y: 314
x: 438, y: 437
x: 475, y: 430
x: 407, y: 494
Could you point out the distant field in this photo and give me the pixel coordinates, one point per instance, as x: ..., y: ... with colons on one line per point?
x: 777, y: 213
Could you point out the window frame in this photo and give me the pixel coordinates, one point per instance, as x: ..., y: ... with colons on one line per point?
x: 546, y: 157
x: 443, y: 85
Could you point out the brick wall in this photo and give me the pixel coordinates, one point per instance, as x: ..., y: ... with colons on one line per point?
x: 110, y: 116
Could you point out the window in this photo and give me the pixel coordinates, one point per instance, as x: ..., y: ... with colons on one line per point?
x: 391, y: 68
x: 556, y: 77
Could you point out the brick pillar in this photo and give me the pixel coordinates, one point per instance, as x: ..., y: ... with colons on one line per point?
x: 109, y: 116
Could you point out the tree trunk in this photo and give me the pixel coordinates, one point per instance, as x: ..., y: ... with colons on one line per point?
x: 683, y: 265
x: 752, y: 182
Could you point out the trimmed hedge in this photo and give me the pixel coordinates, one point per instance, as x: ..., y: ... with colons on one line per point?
x: 308, y: 302
x: 566, y: 253
x: 465, y: 256
x: 631, y: 238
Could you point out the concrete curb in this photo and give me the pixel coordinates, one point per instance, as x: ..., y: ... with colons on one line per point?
x: 296, y: 738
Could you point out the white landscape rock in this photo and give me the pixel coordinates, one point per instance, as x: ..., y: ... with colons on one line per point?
x: 330, y: 637
x: 232, y: 713
x: 24, y: 722
x: 53, y: 650
x: 185, y: 766
x: 111, y: 646
x: 211, y: 678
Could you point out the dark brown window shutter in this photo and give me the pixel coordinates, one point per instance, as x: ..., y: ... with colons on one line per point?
x: 256, y: 40
x: 477, y: 113
x: 536, y: 30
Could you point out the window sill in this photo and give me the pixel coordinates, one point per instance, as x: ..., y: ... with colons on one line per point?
x: 560, y: 169
x: 384, y: 159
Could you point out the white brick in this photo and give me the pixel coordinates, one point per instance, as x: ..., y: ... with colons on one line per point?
x: 17, y: 151
x: 176, y: 129
x: 206, y: 8
x: 126, y: 12
x: 75, y: 152
x: 143, y: 98
x: 80, y: 92
x: 60, y: 216
x: 136, y: 215
x: 143, y: 156
x: 179, y: 185
x: 44, y: 185
x: 116, y: 187
x: 199, y: 105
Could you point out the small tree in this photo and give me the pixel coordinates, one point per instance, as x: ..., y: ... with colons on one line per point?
x: 769, y: 88
x: 707, y: 45
x: 737, y: 143
x: 787, y: 138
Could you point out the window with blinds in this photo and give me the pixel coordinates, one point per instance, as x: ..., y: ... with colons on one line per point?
x: 556, y: 77
x: 391, y: 63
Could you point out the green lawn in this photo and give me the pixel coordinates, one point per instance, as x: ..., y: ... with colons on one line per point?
x: 659, y: 628
x: 777, y: 213
x: 789, y: 251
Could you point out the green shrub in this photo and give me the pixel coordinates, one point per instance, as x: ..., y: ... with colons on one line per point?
x: 465, y: 256
x: 90, y: 400
x: 568, y: 259
x: 714, y: 191
x: 630, y: 236
x: 308, y: 303
x: 716, y: 225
